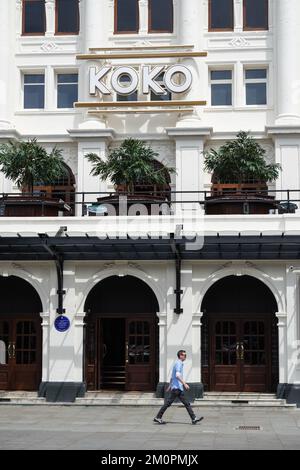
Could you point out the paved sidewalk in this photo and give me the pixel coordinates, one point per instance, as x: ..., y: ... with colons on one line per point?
x: 110, y: 428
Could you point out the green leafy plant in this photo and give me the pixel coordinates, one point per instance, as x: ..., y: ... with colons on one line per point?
x: 28, y: 162
x: 130, y: 164
x: 240, y: 160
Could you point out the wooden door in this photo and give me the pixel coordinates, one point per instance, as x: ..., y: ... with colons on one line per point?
x: 140, y: 353
x: 225, y: 367
x: 5, y: 353
x: 240, y: 354
x: 255, y: 354
x: 22, y: 356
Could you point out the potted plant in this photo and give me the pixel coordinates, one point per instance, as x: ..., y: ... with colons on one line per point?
x: 135, y: 172
x: 240, y: 175
x: 25, y: 163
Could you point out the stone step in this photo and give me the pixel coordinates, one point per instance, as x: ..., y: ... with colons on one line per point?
x: 113, y: 398
x: 239, y: 394
x: 251, y: 397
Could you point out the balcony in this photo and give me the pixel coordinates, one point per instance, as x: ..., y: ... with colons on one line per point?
x: 226, y: 202
x: 156, y: 227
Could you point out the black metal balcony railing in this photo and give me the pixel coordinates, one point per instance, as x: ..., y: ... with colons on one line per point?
x: 260, y: 201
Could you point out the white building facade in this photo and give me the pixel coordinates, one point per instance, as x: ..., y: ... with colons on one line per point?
x: 134, y: 300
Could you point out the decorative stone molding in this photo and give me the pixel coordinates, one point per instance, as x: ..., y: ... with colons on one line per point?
x: 45, y: 316
x: 239, y: 42
x: 282, y: 319
x: 79, y: 319
x: 240, y: 270
x: 162, y: 318
x: 196, y: 319
x: 135, y: 266
x: 50, y: 47
x: 109, y: 265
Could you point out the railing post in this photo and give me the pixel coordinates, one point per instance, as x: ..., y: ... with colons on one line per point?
x: 288, y: 198
x: 82, y: 205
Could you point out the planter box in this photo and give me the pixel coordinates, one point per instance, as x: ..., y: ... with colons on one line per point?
x: 219, y: 189
x: 32, y: 206
x: 240, y: 204
x: 105, y: 205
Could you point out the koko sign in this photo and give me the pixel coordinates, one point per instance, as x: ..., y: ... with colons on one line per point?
x: 106, y: 83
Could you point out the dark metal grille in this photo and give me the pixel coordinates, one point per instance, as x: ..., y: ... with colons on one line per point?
x: 248, y: 428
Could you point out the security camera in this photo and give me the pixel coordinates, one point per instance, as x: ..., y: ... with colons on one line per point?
x: 291, y: 268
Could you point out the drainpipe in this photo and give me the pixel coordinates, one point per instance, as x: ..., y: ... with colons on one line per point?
x: 178, y: 291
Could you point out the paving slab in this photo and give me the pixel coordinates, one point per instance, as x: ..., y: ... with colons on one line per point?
x: 105, y: 428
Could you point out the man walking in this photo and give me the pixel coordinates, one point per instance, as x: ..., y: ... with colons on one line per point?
x: 177, y: 386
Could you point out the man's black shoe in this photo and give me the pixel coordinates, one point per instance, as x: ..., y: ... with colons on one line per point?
x: 197, y: 419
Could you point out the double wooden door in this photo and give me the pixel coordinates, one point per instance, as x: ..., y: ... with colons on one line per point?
x: 240, y: 354
x: 20, y: 354
x: 121, y: 353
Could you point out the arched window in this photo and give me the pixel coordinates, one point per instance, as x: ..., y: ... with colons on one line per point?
x: 161, y: 16
x: 126, y: 16
x: 63, y: 188
x: 158, y: 190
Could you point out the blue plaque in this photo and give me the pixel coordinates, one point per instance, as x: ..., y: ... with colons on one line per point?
x: 62, y: 323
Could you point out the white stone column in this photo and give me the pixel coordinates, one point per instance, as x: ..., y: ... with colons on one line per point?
x: 189, y: 164
x: 90, y: 141
x: 238, y: 16
x: 196, y: 347
x: 87, y: 182
x: 95, y: 27
x: 50, y: 18
x: 183, y: 322
x: 94, y: 24
x: 288, y: 64
x: 190, y: 30
x: 287, y: 154
x: 162, y: 325
x: 143, y: 14
x: 7, y: 36
x: 79, y: 346
x: 190, y: 34
x: 292, y: 328
x: 45, y: 345
x: 282, y: 346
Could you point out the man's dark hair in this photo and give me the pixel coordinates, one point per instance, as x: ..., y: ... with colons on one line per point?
x: 181, y: 351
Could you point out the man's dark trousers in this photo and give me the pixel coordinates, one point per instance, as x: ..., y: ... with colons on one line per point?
x: 176, y: 393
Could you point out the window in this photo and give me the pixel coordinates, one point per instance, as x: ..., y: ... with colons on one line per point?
x: 67, y: 90
x: 67, y: 17
x: 256, y: 14
x: 221, y: 87
x: 256, y: 86
x: 133, y: 96
x: 160, y: 16
x: 34, y: 91
x: 34, y: 17
x: 126, y: 16
x: 221, y: 15
x: 161, y: 83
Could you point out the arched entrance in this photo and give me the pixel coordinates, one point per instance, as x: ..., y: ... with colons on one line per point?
x: 239, y: 336
x: 121, y: 335
x: 63, y: 188
x: 20, y: 335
